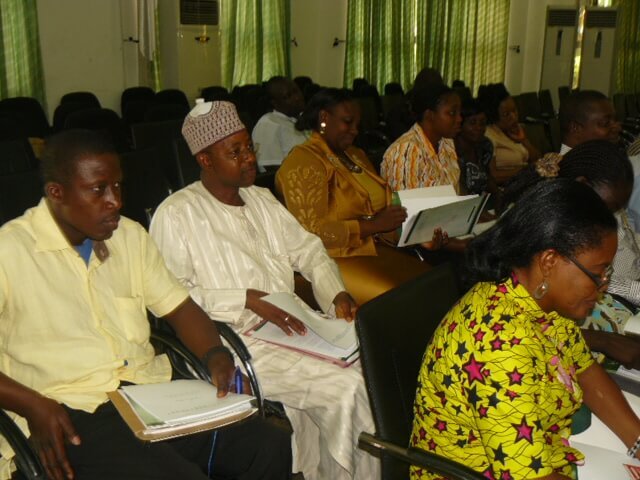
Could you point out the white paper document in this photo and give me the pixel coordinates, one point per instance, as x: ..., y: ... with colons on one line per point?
x: 182, y: 401
x: 432, y: 207
x: 336, y: 331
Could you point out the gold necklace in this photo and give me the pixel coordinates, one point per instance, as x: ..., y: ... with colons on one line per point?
x: 350, y: 164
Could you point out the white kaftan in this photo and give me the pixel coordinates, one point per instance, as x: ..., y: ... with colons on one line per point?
x: 218, y: 251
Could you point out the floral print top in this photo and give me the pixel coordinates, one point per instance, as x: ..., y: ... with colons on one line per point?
x: 498, y: 386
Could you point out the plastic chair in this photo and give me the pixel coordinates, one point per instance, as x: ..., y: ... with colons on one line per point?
x: 144, y: 185
x: 394, y: 330
x: 135, y: 94
x: 186, y: 165
x: 165, y: 111
x: 30, y: 113
x: 63, y: 110
x: 11, y: 127
x: 18, y: 192
x: 102, y: 119
x: 16, y: 156
x: 546, y: 104
x: 171, y: 96
x: 81, y: 97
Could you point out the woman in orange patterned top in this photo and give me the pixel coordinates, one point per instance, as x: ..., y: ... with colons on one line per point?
x: 425, y: 156
x: 333, y: 190
x: 508, y: 367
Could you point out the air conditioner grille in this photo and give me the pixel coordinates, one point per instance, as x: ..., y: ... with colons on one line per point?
x: 562, y: 17
x: 601, y: 19
x: 199, y: 12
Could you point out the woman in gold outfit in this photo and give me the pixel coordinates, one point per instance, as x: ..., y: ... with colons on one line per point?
x: 330, y: 186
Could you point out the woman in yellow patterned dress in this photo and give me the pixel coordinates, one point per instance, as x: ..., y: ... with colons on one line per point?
x: 330, y: 186
x: 507, y: 367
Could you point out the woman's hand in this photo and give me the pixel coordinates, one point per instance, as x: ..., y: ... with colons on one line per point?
x: 287, y: 323
x: 346, y: 307
x: 390, y: 218
x: 517, y: 133
x: 438, y: 241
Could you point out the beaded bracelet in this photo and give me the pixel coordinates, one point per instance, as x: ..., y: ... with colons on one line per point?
x: 634, y: 448
x: 214, y: 350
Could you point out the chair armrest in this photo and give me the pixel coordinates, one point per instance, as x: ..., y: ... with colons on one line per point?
x: 177, y: 348
x: 26, y: 459
x: 420, y: 458
x: 243, y: 354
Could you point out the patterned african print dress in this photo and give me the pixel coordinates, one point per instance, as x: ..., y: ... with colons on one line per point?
x: 498, y: 386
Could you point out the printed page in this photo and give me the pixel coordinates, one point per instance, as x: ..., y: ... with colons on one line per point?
x: 310, y: 342
x: 182, y: 401
x: 601, y: 464
x: 336, y: 331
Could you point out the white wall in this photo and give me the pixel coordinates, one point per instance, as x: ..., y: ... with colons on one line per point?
x: 527, y: 19
x: 315, y: 24
x: 82, y: 47
x: 81, y: 44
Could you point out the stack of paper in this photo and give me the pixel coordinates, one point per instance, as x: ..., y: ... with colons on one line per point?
x: 165, y: 410
x: 438, y: 207
x: 329, y: 338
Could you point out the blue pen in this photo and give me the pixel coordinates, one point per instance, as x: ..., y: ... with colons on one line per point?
x: 238, y: 377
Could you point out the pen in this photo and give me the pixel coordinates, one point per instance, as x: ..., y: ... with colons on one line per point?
x: 238, y: 379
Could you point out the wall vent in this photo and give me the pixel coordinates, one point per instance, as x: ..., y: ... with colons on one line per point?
x: 199, y: 12
x: 562, y: 17
x: 601, y: 19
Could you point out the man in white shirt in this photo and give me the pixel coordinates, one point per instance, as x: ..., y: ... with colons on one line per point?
x: 587, y: 115
x: 230, y: 243
x: 275, y: 134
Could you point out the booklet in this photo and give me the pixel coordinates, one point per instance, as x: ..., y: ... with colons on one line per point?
x: 159, y: 411
x: 438, y: 207
x: 329, y: 338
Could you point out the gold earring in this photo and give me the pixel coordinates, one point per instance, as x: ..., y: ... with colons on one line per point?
x: 323, y: 126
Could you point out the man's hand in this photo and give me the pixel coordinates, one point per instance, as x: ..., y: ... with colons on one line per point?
x: 288, y: 323
x: 221, y: 369
x: 50, y: 428
x: 346, y: 307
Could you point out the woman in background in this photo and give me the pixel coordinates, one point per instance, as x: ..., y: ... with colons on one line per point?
x: 330, y: 186
x: 425, y: 155
x: 508, y: 367
x: 512, y: 150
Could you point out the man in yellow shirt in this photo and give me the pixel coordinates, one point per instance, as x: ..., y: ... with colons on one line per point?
x: 75, y: 283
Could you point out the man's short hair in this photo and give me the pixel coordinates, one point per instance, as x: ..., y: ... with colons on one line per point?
x: 576, y: 106
x: 275, y: 85
x: 63, y: 150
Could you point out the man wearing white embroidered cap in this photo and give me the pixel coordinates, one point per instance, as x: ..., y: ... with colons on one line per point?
x: 231, y: 243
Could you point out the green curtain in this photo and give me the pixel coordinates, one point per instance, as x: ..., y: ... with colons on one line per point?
x: 627, y: 63
x: 390, y: 40
x: 380, y: 41
x: 20, y: 60
x: 254, y: 40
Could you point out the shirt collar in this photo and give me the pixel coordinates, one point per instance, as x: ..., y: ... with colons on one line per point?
x: 49, y: 236
x: 564, y: 149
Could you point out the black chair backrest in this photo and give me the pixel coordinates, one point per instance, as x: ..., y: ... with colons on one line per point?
x: 171, y: 96
x: 12, y: 127
x: 135, y: 94
x: 213, y: 93
x: 16, y: 156
x: 394, y: 330
x: 134, y: 111
x: 186, y: 164
x: 144, y: 185
x: 546, y: 103
x: 165, y: 111
x: 30, y: 113
x: 63, y: 110
x: 81, y: 97
x: 160, y: 134
x: 18, y: 192
x: 102, y: 119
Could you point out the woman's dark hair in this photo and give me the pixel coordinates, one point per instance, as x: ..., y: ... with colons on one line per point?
x: 599, y: 162
x: 428, y: 98
x: 325, y: 99
x: 470, y: 107
x: 490, y: 97
x: 63, y: 150
x: 561, y: 214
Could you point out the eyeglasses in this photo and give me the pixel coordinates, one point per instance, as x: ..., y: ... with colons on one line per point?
x: 600, y: 280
